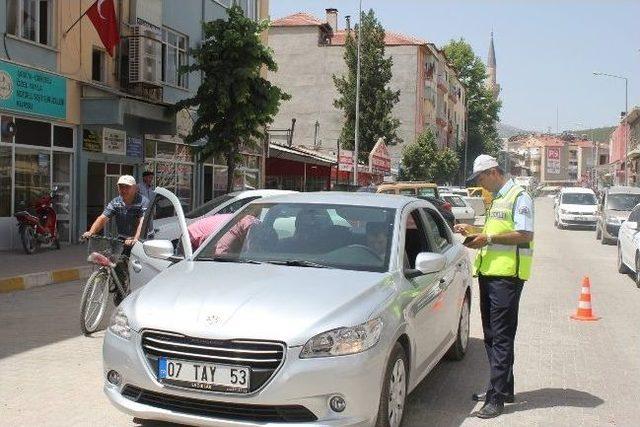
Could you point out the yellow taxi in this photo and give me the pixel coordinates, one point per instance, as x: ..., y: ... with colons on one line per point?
x: 410, y: 188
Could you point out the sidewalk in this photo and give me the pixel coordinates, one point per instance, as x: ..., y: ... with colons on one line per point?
x: 19, y: 271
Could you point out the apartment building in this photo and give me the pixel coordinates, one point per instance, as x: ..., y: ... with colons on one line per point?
x: 309, y: 51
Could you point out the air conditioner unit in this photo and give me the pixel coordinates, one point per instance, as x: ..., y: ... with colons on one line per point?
x: 145, y: 57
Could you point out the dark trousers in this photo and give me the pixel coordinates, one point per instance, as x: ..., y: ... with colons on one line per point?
x: 499, y: 301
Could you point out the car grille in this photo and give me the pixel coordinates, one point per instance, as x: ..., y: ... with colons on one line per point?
x: 588, y: 223
x: 224, y: 410
x: 263, y: 358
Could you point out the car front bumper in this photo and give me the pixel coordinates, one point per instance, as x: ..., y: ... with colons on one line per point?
x: 309, y: 383
x: 577, y: 220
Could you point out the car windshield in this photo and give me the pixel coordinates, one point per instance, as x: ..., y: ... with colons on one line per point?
x: 306, y: 235
x: 456, y: 201
x: 579, y: 199
x: 210, y: 205
x: 622, y: 202
x: 427, y: 191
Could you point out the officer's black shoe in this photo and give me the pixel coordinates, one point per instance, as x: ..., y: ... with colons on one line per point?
x: 481, y: 397
x: 490, y: 410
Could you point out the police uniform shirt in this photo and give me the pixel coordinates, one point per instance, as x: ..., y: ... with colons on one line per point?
x: 523, y: 212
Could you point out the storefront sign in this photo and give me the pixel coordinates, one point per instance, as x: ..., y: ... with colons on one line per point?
x: 345, y: 160
x: 26, y: 90
x: 553, y: 161
x: 113, y: 141
x: 91, y: 141
x: 134, y: 147
x: 379, y: 158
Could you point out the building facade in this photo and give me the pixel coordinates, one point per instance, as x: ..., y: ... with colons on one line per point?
x: 310, y: 51
x: 76, y: 118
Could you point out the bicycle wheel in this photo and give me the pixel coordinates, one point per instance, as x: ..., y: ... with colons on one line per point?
x: 94, y: 299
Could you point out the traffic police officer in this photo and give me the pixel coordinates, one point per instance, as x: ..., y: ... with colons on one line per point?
x: 502, y: 265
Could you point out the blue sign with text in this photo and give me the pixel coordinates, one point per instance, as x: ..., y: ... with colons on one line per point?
x: 26, y: 90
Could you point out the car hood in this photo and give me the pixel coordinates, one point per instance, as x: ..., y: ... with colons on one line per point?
x: 230, y: 300
x: 621, y: 215
x: 579, y: 208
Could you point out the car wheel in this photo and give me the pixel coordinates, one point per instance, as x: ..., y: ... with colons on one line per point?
x: 622, y: 268
x: 637, y: 276
x: 394, y: 390
x: 459, y: 347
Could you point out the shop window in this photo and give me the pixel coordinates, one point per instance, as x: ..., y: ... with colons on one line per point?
x: 5, y: 181
x: 62, y: 137
x: 5, y: 123
x: 32, y: 132
x: 98, y: 65
x: 127, y: 170
x: 165, y: 150
x: 31, y: 20
x: 149, y: 148
x: 220, y: 177
x: 113, y: 169
x: 32, y: 176
x: 174, y: 56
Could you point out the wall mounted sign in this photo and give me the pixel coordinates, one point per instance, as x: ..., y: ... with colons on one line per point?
x: 113, y: 141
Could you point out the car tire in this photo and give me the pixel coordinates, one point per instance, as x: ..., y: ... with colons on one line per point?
x: 459, y: 348
x: 394, y: 389
x: 622, y: 268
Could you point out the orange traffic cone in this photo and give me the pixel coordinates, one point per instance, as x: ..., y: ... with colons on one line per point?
x: 584, y: 303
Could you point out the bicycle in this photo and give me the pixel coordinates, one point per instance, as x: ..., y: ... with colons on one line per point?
x: 106, y: 254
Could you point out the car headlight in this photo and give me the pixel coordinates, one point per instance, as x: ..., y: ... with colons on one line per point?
x: 343, y: 341
x: 120, y: 325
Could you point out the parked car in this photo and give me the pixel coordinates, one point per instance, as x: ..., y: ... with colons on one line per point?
x: 163, y: 223
x: 166, y: 227
x: 629, y: 245
x: 410, y: 188
x: 443, y: 207
x: 576, y: 207
x: 462, y: 211
x: 285, y: 317
x: 477, y: 203
x: 614, y: 208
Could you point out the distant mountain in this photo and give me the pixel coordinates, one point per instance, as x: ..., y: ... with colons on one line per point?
x: 597, y: 134
x: 507, y: 131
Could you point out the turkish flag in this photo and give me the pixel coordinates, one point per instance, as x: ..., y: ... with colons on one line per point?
x: 103, y: 15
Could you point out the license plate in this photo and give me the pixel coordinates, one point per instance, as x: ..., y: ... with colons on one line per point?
x: 203, y: 375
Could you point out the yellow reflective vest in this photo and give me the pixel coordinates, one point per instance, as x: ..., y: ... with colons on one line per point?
x: 503, y: 260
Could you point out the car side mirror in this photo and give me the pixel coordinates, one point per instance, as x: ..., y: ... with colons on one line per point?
x: 159, y: 249
x: 429, y: 262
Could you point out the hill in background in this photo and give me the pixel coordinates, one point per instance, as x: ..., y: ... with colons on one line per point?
x: 507, y: 131
x: 597, y: 134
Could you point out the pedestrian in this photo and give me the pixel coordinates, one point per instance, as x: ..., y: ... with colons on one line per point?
x: 146, y: 186
x: 502, y: 265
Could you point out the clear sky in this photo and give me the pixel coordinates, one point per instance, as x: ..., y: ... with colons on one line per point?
x: 546, y: 50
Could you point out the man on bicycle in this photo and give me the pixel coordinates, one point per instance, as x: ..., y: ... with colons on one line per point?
x: 128, y: 208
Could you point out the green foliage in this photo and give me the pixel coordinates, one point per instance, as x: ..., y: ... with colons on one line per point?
x: 423, y: 161
x: 376, y: 98
x: 234, y: 103
x: 482, y: 107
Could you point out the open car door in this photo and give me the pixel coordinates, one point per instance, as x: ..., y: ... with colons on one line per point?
x: 148, y: 256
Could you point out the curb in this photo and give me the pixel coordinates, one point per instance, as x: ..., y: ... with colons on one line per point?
x: 34, y: 280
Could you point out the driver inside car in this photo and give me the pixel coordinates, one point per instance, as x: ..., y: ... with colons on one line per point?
x: 377, y: 238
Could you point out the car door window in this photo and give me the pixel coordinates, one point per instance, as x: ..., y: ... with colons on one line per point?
x: 235, y: 206
x: 160, y: 208
x: 415, y: 240
x: 635, y: 214
x: 437, y: 231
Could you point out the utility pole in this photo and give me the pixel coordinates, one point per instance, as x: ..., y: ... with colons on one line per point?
x: 357, y: 135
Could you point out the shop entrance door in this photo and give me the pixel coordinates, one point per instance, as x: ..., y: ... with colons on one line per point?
x: 102, y: 187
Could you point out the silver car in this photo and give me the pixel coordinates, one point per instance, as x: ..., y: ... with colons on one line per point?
x: 316, y: 308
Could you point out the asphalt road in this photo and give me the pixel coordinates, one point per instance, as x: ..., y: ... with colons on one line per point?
x: 567, y: 372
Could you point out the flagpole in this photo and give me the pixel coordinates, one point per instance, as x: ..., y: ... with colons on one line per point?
x: 76, y: 21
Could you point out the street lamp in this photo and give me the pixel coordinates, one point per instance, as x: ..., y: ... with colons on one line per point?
x: 357, y: 135
x: 626, y: 111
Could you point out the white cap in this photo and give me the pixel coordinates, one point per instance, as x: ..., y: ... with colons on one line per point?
x: 482, y: 163
x: 126, y: 180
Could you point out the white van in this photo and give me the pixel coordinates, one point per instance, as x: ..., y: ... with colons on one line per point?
x: 576, y: 207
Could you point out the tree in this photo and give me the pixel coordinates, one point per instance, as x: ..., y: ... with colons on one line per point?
x: 234, y: 103
x: 482, y: 106
x: 423, y: 161
x: 376, y: 98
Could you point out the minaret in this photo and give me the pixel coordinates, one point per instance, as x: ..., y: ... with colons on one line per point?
x: 491, y: 82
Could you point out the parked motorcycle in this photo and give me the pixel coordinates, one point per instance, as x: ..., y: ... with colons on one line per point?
x: 39, y: 225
